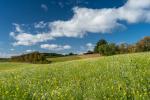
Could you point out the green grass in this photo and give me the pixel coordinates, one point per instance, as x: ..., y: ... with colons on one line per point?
x: 121, y: 77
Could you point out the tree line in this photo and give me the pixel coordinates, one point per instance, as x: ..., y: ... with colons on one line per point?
x: 105, y: 48
x: 102, y: 47
x: 34, y: 57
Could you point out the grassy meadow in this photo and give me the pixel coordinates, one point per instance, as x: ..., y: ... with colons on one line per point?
x: 121, y: 77
x: 70, y: 58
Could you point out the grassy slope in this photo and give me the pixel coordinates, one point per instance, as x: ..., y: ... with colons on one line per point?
x: 70, y: 58
x: 122, y: 76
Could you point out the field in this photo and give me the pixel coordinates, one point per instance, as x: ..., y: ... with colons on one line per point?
x: 121, y: 77
x: 75, y: 57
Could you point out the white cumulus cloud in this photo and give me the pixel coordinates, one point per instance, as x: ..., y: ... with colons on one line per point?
x: 87, y: 20
x: 55, y: 47
x: 90, y: 46
x: 28, y: 39
x: 41, y: 24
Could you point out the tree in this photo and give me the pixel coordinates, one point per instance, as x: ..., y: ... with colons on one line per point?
x: 113, y: 49
x: 70, y: 54
x: 99, y: 43
x: 132, y: 48
x: 123, y: 48
x: 107, y: 49
x: 144, y: 44
x: 34, y: 57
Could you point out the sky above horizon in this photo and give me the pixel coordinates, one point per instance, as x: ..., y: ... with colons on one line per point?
x: 64, y: 26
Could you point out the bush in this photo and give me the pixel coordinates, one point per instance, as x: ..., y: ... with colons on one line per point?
x: 99, y: 43
x: 107, y: 49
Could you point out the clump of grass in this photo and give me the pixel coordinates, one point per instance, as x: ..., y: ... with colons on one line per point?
x: 119, y: 77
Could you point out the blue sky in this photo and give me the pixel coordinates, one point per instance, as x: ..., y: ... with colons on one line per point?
x: 62, y: 26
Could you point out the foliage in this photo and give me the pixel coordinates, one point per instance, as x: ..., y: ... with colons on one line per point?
x: 70, y: 54
x: 123, y: 48
x: 105, y: 48
x: 99, y: 43
x: 34, y: 57
x: 121, y: 77
x: 144, y: 44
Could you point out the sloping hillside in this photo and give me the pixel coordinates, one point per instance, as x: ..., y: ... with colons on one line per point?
x: 74, y: 57
x: 115, y: 77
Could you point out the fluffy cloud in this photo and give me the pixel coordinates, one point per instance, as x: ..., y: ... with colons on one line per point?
x: 90, y: 46
x: 101, y: 20
x: 86, y: 20
x: 135, y: 11
x: 18, y: 28
x: 28, y: 39
x: 55, y: 47
x: 40, y: 25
